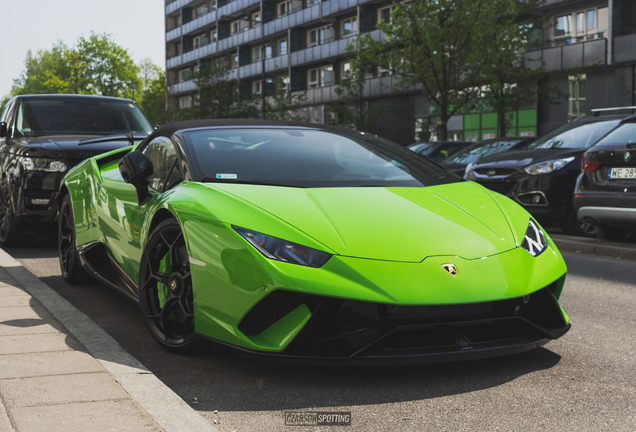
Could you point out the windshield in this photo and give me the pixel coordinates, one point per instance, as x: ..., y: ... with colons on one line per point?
x: 80, y: 116
x: 479, y: 150
x: 574, y: 135
x: 622, y: 135
x: 308, y: 158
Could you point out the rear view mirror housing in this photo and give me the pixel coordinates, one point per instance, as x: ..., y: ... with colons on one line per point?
x: 135, y: 168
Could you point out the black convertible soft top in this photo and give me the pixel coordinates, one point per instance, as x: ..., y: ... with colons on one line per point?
x: 170, y: 128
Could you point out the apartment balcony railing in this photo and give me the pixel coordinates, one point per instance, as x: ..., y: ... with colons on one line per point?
x: 624, y: 48
x: 176, y: 5
x: 564, y: 57
x: 182, y: 87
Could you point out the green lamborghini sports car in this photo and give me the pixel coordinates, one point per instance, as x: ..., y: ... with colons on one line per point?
x: 310, y: 242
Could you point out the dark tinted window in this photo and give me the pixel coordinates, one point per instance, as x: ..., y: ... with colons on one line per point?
x: 308, y: 158
x: 479, y: 150
x: 163, y: 155
x: 574, y: 135
x: 79, y: 116
x: 622, y: 135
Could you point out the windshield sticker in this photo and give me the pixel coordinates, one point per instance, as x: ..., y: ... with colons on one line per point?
x: 223, y: 176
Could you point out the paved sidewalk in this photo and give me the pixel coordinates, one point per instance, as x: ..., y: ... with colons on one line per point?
x: 59, y: 371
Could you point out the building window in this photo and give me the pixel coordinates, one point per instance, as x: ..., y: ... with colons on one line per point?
x: 349, y: 27
x: 562, y: 26
x: 234, y: 61
x: 235, y: 27
x: 257, y: 87
x: 576, y: 98
x: 320, y: 77
x: 283, y: 8
x: 320, y: 35
x: 185, y: 102
x: 185, y: 75
x: 269, y: 52
x: 213, y: 36
x: 345, y: 70
x: 256, y: 53
x: 282, y: 47
x: 201, y: 40
x: 256, y: 19
x: 384, y: 14
x: 310, y: 3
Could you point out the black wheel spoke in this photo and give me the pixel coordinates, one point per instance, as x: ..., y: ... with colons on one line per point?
x: 166, y: 289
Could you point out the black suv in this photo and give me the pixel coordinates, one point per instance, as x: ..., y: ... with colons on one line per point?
x: 605, y: 193
x: 41, y: 138
x: 541, y: 177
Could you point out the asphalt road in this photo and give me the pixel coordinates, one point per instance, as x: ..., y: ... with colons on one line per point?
x: 585, y: 381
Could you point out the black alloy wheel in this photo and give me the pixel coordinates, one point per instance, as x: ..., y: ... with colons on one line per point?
x: 10, y: 234
x: 70, y: 265
x: 166, y: 295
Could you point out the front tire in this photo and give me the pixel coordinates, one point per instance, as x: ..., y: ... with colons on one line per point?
x: 70, y: 265
x: 166, y: 295
x: 10, y: 233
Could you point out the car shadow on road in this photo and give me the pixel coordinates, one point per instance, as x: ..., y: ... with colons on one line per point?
x: 229, y: 382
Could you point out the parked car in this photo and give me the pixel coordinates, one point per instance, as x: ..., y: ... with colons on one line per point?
x: 458, y: 161
x: 439, y: 150
x: 605, y: 193
x: 41, y: 137
x: 309, y: 242
x: 541, y: 177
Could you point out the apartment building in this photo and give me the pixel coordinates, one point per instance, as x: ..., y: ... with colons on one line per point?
x: 587, y: 51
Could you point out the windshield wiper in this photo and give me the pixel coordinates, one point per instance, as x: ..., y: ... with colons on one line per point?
x: 129, y: 137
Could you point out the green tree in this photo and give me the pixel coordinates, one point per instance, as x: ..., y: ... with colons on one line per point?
x: 45, y: 72
x: 220, y: 96
x: 96, y: 66
x: 107, y: 67
x: 353, y: 111
x: 507, y: 81
x: 431, y: 44
x: 457, y: 51
x: 284, y: 104
x: 153, y: 101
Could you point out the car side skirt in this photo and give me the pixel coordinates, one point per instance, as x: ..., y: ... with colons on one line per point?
x: 96, y: 260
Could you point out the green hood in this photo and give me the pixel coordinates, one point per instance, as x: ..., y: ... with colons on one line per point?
x: 397, y: 224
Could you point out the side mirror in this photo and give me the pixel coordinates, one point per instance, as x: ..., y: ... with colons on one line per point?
x: 135, y: 168
x: 3, y: 129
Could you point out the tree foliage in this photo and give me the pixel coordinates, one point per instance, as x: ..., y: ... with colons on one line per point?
x: 96, y: 65
x: 453, y: 50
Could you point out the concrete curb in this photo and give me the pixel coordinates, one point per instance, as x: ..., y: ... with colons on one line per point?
x: 594, y: 246
x: 161, y: 403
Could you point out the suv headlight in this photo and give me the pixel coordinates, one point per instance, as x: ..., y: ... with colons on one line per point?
x: 549, y: 166
x: 534, y: 240
x: 282, y: 250
x: 42, y: 164
x: 468, y: 173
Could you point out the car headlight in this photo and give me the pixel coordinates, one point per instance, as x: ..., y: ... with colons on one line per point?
x: 549, y: 166
x: 534, y: 240
x: 42, y: 164
x: 282, y: 250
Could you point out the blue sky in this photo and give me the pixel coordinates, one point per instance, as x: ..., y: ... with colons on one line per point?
x: 136, y: 25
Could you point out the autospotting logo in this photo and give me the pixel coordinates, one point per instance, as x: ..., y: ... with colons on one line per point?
x: 317, y: 418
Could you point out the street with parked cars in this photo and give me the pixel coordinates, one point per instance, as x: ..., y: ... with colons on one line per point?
x: 255, y: 255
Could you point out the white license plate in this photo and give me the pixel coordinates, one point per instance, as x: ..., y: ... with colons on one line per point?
x: 621, y: 173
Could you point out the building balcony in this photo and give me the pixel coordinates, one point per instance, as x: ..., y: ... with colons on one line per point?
x: 182, y: 87
x: 176, y: 5
x: 624, y: 48
x: 564, y: 57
